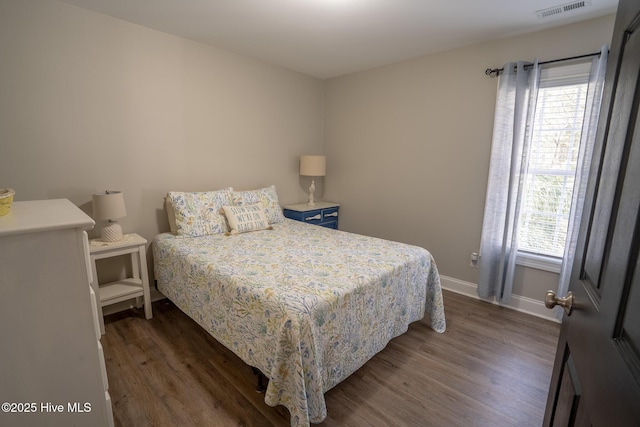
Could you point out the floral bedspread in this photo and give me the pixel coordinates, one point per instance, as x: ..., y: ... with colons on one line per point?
x: 306, y: 305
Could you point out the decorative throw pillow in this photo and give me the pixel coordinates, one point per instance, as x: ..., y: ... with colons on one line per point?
x: 198, y: 213
x: 267, y: 196
x: 246, y: 218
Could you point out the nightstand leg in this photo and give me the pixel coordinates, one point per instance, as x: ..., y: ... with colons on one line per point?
x: 136, y: 262
x: 145, y: 283
x: 96, y: 290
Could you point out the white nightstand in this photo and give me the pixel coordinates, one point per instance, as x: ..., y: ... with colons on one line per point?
x: 122, y: 290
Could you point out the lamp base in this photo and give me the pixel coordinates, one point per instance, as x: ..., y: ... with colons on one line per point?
x: 312, y: 190
x: 112, y: 232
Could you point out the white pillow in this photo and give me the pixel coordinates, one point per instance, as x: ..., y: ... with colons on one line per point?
x: 246, y: 218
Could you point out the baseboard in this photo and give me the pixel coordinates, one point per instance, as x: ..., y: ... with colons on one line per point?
x: 519, y: 303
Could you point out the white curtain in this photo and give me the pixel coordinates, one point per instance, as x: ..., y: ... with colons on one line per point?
x: 515, y: 102
x: 515, y: 109
x: 589, y: 125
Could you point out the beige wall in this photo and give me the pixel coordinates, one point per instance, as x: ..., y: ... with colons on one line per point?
x: 408, y: 145
x: 90, y: 103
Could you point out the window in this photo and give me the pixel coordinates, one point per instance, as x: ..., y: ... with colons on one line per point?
x: 551, y: 165
x: 538, y: 170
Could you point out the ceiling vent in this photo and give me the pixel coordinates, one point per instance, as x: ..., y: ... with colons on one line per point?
x: 562, y: 9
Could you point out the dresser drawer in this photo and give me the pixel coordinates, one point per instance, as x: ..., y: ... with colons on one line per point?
x: 312, y: 217
x: 325, y: 215
x: 330, y: 214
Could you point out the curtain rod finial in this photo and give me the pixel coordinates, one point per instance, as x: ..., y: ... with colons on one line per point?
x: 492, y: 72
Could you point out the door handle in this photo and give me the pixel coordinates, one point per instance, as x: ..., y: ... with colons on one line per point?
x: 551, y: 300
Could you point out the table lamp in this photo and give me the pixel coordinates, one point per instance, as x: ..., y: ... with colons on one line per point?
x: 312, y: 166
x: 109, y: 205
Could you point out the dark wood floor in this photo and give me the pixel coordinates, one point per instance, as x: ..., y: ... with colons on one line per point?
x: 491, y: 367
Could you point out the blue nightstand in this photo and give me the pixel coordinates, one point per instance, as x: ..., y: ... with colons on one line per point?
x: 324, y: 214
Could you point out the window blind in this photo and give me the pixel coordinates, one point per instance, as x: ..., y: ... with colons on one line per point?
x: 552, y: 159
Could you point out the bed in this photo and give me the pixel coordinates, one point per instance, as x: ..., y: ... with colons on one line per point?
x: 306, y: 305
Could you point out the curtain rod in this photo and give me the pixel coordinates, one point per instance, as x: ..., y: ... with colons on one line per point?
x: 494, y: 72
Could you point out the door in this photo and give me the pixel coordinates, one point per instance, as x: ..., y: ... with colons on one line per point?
x: 596, y: 376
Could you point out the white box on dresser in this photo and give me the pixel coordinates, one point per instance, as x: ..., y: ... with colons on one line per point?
x: 52, y: 368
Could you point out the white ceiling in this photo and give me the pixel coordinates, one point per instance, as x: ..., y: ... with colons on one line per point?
x: 328, y: 38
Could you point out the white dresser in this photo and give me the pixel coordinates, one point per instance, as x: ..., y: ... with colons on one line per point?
x: 52, y: 369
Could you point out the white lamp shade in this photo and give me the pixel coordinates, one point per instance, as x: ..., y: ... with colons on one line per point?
x: 312, y: 165
x: 108, y: 205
